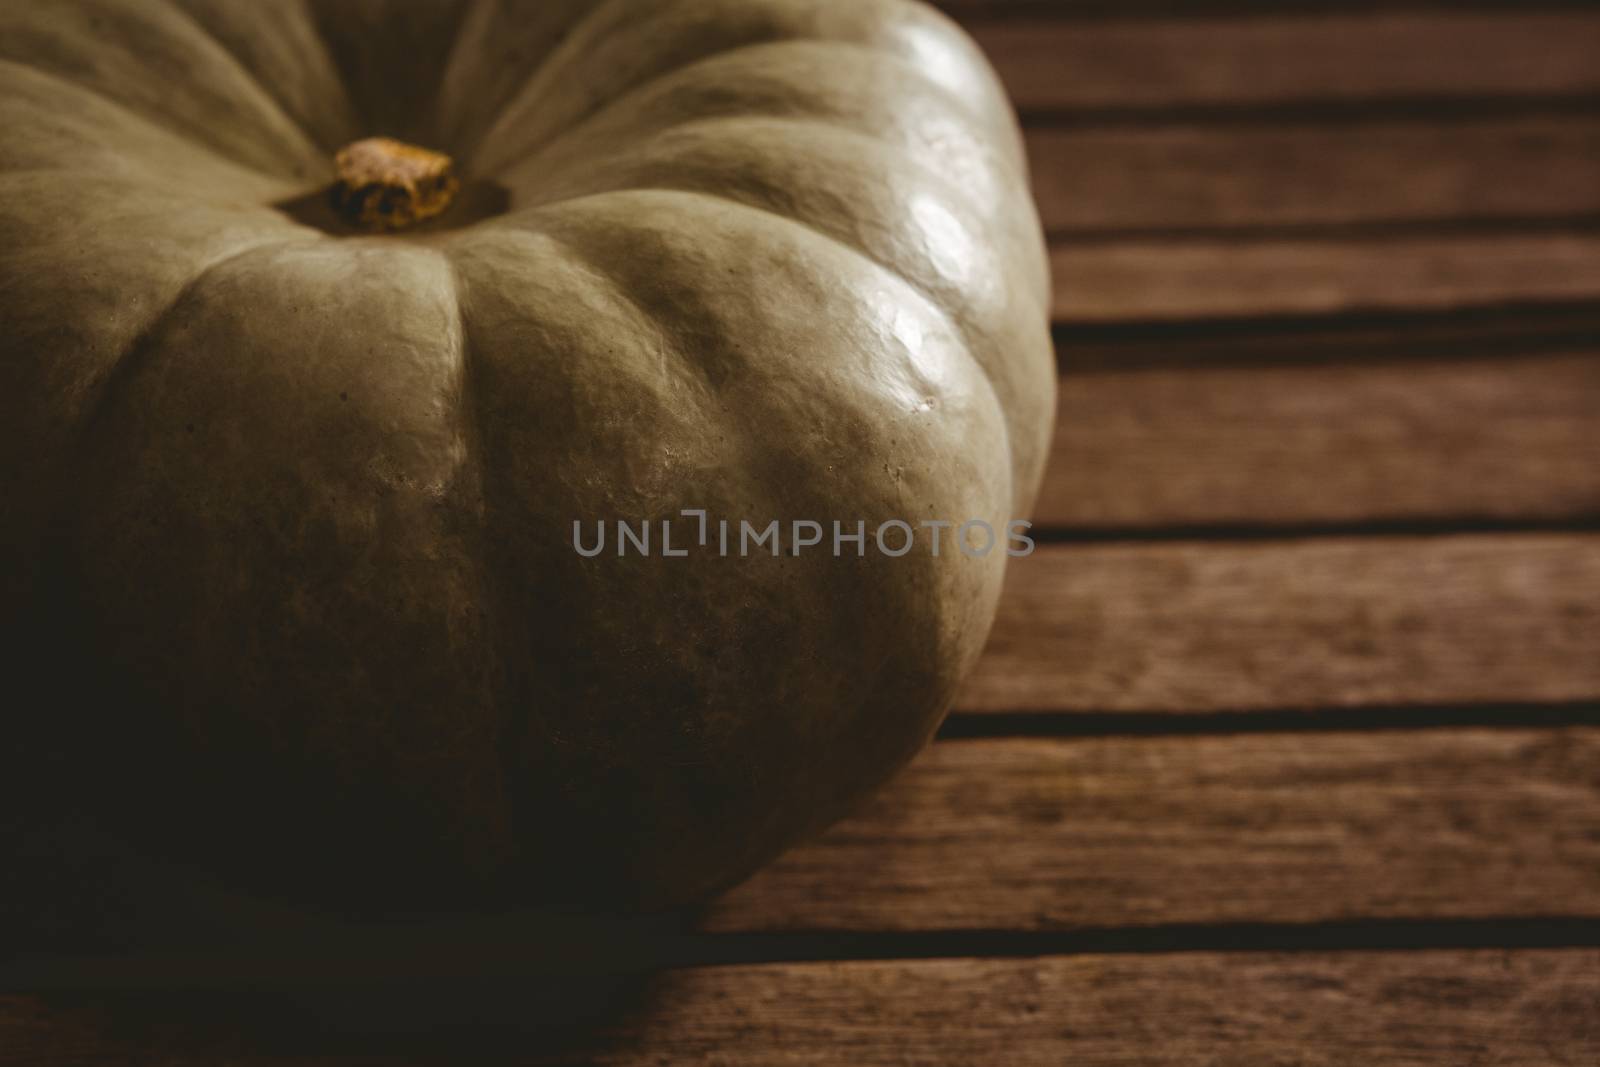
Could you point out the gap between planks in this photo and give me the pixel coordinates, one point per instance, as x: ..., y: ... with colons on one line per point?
x: 1266, y: 339
x: 965, y: 726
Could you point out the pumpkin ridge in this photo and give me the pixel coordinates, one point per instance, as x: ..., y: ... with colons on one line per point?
x: 249, y: 75
x: 136, y: 115
x: 1039, y: 283
x: 767, y: 459
x: 514, y: 714
x: 131, y: 359
x: 572, y: 39
x: 607, y: 275
x: 775, y: 34
x: 956, y: 321
x: 468, y: 12
x: 150, y: 178
x: 519, y: 775
x: 632, y: 93
x: 514, y: 92
x: 156, y: 117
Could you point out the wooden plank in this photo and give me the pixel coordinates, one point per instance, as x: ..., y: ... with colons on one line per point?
x: 1328, y: 623
x: 1531, y: 1007
x: 1510, y: 438
x: 1423, y: 1009
x: 1286, y: 829
x: 1144, y: 279
x: 1057, y: 834
x: 1056, y: 64
x: 1134, y: 179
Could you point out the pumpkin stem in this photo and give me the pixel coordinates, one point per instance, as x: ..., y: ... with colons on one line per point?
x: 386, y: 184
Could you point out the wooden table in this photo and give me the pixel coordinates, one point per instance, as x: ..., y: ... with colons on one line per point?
x: 1286, y: 748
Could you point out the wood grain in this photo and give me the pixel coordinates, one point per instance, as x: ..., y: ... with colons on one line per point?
x: 1127, y: 180
x: 1513, y: 438
x: 1297, y: 827
x: 1187, y: 62
x: 1151, y: 280
x: 1315, y: 1010
x: 1331, y: 623
x: 1200, y: 165
x: 1424, y: 1009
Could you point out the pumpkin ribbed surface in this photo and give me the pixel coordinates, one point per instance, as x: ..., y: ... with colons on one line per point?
x: 301, y: 501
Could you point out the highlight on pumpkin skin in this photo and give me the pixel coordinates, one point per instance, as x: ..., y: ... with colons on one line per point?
x: 386, y: 184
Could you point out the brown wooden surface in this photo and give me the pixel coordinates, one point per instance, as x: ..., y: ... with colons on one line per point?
x: 1499, y: 438
x: 1129, y: 179
x: 1309, y: 659
x: 1420, y: 1009
x: 1042, y: 834
x: 1152, y: 184
x: 1052, y: 65
x: 1345, y: 622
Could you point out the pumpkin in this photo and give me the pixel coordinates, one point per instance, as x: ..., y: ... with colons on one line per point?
x: 297, y: 499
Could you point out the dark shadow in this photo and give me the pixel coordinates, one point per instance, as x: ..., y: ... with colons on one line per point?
x: 114, y: 938
x: 478, y: 200
x: 162, y: 961
x: 459, y: 989
x: 461, y: 1021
